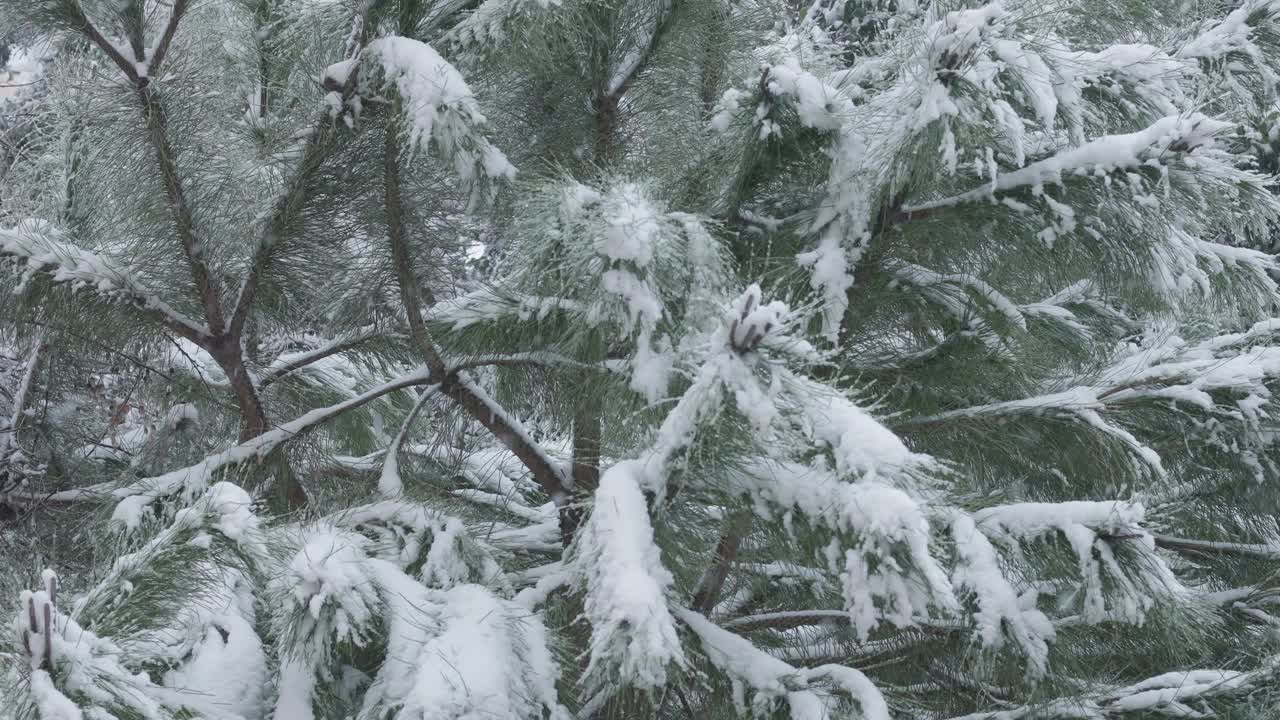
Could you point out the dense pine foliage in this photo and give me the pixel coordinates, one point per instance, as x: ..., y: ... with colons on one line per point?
x: 400, y: 359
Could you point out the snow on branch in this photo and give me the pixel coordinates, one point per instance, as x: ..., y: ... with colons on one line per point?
x: 1080, y: 403
x: 1181, y: 694
x: 1234, y: 35
x: 1001, y: 609
x: 633, y: 634
x: 860, y: 444
x: 488, y: 23
x: 67, y: 661
x: 290, y: 362
x: 771, y: 679
x: 925, y: 278
x: 411, y: 535
x: 460, y: 652
x: 1087, y: 526
x: 487, y: 305
x: 389, y: 482
x: 136, y: 497
x: 77, y: 673
x: 1172, y: 134
x: 887, y: 573
x: 38, y: 247
x: 438, y: 105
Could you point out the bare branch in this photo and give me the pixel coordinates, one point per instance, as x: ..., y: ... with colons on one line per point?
x: 1211, y: 547
x: 126, y: 66
x: 166, y: 39
x: 712, y: 582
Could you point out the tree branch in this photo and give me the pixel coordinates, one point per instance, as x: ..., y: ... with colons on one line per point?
x: 301, y: 360
x: 455, y: 385
x: 129, y: 69
x: 787, y: 620
x: 281, y: 216
x: 1211, y: 547
x: 261, y: 445
x: 158, y: 132
x: 67, y: 263
x: 166, y: 39
x: 712, y: 582
x: 294, y: 194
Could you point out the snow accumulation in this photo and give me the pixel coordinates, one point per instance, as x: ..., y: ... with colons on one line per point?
x: 218, y: 663
x: 885, y: 522
x: 1232, y: 34
x: 627, y: 585
x: 1100, y: 156
x: 460, y: 652
x: 488, y: 22
x: 770, y: 678
x: 438, y: 104
x: 42, y: 247
x: 1000, y: 608
x: 1083, y: 523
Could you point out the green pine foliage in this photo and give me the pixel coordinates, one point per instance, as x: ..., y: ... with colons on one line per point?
x: 537, y: 359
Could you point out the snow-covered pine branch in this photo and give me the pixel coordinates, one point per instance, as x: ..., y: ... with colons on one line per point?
x: 886, y: 360
x: 39, y: 248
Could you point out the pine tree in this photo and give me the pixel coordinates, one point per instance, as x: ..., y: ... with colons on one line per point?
x: 624, y: 359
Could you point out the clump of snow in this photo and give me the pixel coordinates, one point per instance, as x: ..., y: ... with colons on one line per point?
x: 438, y: 105
x: 329, y: 578
x: 461, y: 652
x: 1000, y: 608
x: 627, y: 585
x: 888, y: 573
x: 632, y: 225
x: 1232, y: 34
x: 862, y: 446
